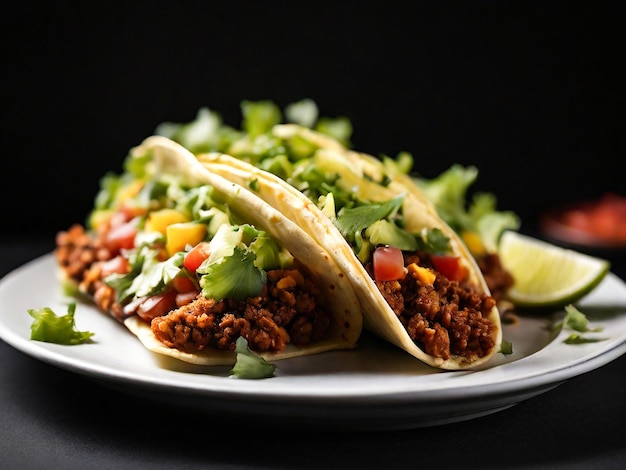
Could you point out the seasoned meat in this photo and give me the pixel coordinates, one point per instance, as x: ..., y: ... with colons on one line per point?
x: 80, y: 257
x: 76, y: 251
x: 444, y: 318
x: 286, y: 312
x: 392, y: 292
x: 289, y: 310
x: 498, y: 279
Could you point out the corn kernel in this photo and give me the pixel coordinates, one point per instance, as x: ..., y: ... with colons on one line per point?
x: 422, y: 274
x: 286, y: 282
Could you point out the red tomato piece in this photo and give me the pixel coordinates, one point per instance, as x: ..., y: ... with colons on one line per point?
x: 449, y: 266
x: 117, y: 265
x: 185, y: 298
x: 196, y: 256
x: 157, y: 305
x: 121, y: 236
x: 130, y: 212
x: 183, y: 283
x: 388, y: 263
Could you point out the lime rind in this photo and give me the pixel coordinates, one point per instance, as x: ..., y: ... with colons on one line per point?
x: 547, y: 275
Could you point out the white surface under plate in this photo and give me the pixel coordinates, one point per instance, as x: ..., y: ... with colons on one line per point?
x: 373, y: 387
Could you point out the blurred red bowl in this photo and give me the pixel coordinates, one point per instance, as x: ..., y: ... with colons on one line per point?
x: 599, y: 224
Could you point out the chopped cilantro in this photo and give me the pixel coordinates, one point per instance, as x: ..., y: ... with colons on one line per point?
x: 506, y: 347
x: 435, y: 241
x: 234, y: 277
x: 354, y: 220
x: 575, y: 338
x: 576, y: 320
x: 250, y: 365
x: 51, y: 328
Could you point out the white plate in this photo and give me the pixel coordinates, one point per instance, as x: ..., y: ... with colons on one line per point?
x: 373, y: 387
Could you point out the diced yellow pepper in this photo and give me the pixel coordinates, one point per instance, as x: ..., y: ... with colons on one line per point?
x: 179, y: 235
x: 286, y: 282
x: 474, y: 243
x: 159, y: 220
x: 129, y: 191
x: 422, y: 274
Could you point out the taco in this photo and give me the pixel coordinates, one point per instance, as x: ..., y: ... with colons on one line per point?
x: 419, y: 287
x: 190, y: 262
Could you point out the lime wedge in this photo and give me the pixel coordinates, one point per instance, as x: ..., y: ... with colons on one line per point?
x: 547, y: 275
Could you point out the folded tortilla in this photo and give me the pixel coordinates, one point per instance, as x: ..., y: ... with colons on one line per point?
x: 419, y: 214
x: 336, y: 294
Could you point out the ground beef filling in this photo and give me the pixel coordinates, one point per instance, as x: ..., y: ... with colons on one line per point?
x: 290, y: 309
x: 285, y: 312
x: 81, y: 257
x: 443, y: 318
x: 498, y: 279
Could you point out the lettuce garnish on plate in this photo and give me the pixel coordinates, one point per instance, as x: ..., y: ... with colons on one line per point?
x: 52, y: 328
x: 250, y: 365
x: 578, y: 323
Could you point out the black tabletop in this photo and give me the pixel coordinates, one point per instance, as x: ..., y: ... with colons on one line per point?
x: 52, y: 418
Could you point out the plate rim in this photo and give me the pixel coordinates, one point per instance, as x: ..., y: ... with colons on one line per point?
x: 477, y: 392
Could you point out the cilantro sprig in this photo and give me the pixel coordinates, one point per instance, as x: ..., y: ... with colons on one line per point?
x: 578, y: 322
x: 250, y: 365
x: 52, y: 328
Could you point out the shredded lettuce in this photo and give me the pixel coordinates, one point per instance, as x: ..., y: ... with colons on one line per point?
x: 340, y: 128
x: 345, y: 195
x: 205, y: 133
x: 303, y: 112
x: 260, y: 116
x: 449, y: 191
x: 296, y: 160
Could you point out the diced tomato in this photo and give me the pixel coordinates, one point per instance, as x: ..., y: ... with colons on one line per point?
x: 388, y: 263
x: 183, y: 283
x: 121, y: 236
x: 130, y: 212
x: 117, y: 265
x: 450, y: 266
x: 157, y: 305
x: 186, y: 297
x: 196, y: 256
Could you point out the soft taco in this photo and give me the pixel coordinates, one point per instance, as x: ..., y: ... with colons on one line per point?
x: 419, y: 286
x: 190, y: 262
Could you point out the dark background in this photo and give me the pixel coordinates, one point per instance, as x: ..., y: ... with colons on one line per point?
x: 532, y: 93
